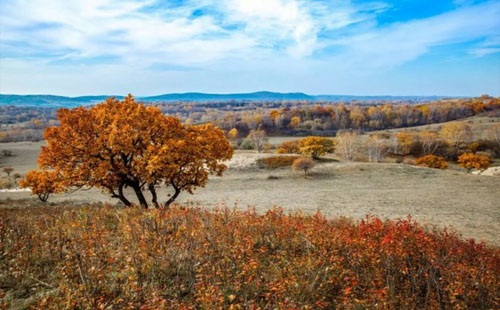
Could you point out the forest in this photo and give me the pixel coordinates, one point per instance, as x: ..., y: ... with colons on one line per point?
x: 278, y: 118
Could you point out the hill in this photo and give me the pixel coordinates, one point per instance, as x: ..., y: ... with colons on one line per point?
x: 63, y: 101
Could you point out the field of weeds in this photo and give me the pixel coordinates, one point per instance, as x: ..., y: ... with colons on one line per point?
x: 101, y: 257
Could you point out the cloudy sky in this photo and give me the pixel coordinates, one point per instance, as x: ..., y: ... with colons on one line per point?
x: 148, y: 47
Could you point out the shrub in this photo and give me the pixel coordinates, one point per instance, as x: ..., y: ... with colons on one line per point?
x: 106, y: 258
x: 473, y: 161
x: 432, y: 161
x: 247, y: 144
x: 304, y: 164
x: 316, y: 146
x: 274, y: 162
x: 289, y: 147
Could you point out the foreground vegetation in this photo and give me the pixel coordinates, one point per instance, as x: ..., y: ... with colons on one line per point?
x: 99, y: 257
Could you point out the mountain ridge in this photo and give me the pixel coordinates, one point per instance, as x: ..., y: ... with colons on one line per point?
x: 41, y: 100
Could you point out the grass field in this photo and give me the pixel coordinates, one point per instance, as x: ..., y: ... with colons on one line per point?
x: 450, y: 198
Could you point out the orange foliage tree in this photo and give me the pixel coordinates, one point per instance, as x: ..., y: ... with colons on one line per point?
x: 289, y: 147
x: 121, y: 144
x: 432, y: 161
x: 42, y: 183
x: 316, y: 146
x: 472, y: 161
x: 304, y: 164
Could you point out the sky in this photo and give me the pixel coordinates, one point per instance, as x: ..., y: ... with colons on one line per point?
x: 151, y: 47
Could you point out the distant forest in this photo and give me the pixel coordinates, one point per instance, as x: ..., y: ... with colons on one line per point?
x: 293, y: 118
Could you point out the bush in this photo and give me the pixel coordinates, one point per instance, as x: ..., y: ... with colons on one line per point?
x: 274, y: 162
x: 316, y: 146
x: 473, y: 161
x: 247, y: 144
x: 106, y: 258
x: 432, y: 161
x: 289, y: 147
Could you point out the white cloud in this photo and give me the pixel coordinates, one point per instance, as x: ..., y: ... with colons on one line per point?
x: 285, y: 40
x: 402, y: 42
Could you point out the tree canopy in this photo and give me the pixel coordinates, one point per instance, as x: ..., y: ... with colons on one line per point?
x: 121, y: 144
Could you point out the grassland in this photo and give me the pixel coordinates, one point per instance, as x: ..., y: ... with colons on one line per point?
x: 450, y: 198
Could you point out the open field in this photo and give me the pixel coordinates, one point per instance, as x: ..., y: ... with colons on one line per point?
x: 452, y: 198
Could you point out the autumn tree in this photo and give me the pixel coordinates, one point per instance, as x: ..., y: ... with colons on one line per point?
x: 432, y: 161
x: 8, y: 170
x: 471, y: 161
x: 295, y: 121
x: 430, y: 141
x: 376, y: 147
x: 303, y: 163
x: 316, y: 146
x: 121, y: 144
x: 43, y: 183
x: 405, y: 142
x: 456, y: 133
x: 233, y: 134
x: 258, y: 138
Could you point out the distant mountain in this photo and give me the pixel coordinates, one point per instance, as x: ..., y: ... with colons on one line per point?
x: 61, y: 101
x: 50, y: 100
x: 263, y: 95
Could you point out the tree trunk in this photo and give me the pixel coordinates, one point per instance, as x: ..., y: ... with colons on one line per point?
x: 122, y: 197
x: 154, y: 200
x: 174, y: 196
x: 140, y: 195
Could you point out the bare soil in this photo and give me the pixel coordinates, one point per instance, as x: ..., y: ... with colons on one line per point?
x: 444, y: 198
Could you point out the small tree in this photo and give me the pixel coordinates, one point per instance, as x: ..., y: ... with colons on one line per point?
x: 432, y: 161
x: 316, y: 146
x: 456, y: 133
x: 471, y: 161
x: 430, y: 142
x: 405, y: 142
x: 259, y: 138
x: 42, y: 183
x: 304, y: 164
x: 347, y: 144
x: 8, y: 170
x: 376, y: 148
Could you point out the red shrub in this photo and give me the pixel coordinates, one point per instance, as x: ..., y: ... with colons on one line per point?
x: 104, y: 258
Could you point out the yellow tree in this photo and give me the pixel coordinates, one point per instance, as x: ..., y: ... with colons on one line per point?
x: 405, y: 142
x: 295, y: 121
x: 316, y: 146
x: 121, y: 144
x: 456, y: 133
x: 233, y: 134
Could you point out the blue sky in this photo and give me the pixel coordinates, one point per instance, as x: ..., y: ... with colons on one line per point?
x: 148, y: 47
